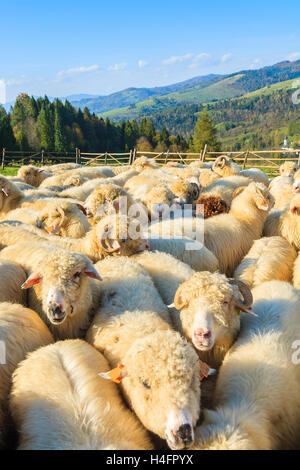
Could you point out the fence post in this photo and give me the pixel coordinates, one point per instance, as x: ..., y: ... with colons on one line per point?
x: 134, y: 155
x: 245, y: 159
x: 105, y: 160
x: 42, y: 160
x: 204, y: 152
x: 79, y: 156
x: 76, y: 157
x: 130, y: 157
x: 3, y: 159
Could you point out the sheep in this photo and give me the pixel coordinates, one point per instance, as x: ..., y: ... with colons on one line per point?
x: 285, y: 223
x: 64, y: 179
x: 268, y: 259
x: 199, y: 258
x: 207, y: 312
x: 199, y: 164
x: 32, y: 175
x: 27, y: 216
x: 225, y: 166
x: 12, y: 198
x: 61, y: 167
x: 174, y: 165
x: 122, y: 178
x: 64, y: 218
x: 12, y: 276
x: 118, y: 170
x: 132, y: 326
x: 62, y: 293
x: 228, y: 236
x: 208, y: 206
x: 281, y: 189
x: 92, y: 172
x: 207, y: 177
x: 288, y: 169
x: 296, y: 273
x: 110, y: 237
x: 106, y: 199
x: 186, y: 192
x: 21, y: 331
x: 258, y: 388
x: 225, y: 188
x: 59, y: 401
x: 142, y: 163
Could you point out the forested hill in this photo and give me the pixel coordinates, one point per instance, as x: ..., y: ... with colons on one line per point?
x: 199, y: 90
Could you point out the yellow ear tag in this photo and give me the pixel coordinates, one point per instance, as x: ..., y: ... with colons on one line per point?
x: 115, y: 375
x: 205, y: 370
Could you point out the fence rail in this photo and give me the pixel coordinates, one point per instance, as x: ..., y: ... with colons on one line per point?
x: 265, y: 159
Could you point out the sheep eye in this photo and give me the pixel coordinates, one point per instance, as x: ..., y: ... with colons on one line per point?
x: 76, y: 275
x: 146, y: 385
x: 123, y: 240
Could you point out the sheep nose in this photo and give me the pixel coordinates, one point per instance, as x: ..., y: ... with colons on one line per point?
x: 56, y: 311
x: 184, y: 433
x: 201, y: 332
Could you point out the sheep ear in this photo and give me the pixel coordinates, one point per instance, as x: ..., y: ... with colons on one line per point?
x: 179, y: 301
x: 81, y: 208
x: 91, y: 272
x: 238, y: 191
x: 33, y: 279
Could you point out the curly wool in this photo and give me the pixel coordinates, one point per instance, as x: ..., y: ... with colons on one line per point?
x: 212, y: 205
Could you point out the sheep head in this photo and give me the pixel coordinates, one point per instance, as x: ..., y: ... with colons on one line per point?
x: 7, y: 189
x: 225, y: 166
x: 261, y: 196
x: 162, y: 377
x: 55, y: 217
x: 143, y: 163
x: 62, y: 281
x: 118, y: 235
x: 32, y: 175
x: 185, y: 192
x: 209, y: 307
x: 288, y: 169
x: 103, y: 200
x: 158, y: 200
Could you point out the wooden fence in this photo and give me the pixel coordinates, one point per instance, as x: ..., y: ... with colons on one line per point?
x: 267, y: 160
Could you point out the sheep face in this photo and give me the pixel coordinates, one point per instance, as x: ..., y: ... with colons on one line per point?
x: 118, y: 235
x: 261, y: 196
x: 209, y: 309
x: 32, y: 175
x: 158, y: 201
x: 103, y: 201
x: 55, y: 218
x: 163, y: 378
x: 63, y: 285
x: 143, y: 163
x: 288, y: 169
x: 185, y: 192
x: 225, y: 166
x: 6, y: 189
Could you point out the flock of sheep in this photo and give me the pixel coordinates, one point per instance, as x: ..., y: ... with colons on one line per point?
x: 200, y: 345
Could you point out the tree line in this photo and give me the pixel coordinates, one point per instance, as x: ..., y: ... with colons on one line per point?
x: 36, y: 124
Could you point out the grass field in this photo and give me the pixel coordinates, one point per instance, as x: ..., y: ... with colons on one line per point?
x: 9, y: 171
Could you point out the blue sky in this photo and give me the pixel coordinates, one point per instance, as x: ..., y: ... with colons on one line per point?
x: 69, y: 47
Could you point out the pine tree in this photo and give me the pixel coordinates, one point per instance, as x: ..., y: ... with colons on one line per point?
x: 45, y: 127
x: 7, y: 138
x: 205, y: 133
x: 60, y: 144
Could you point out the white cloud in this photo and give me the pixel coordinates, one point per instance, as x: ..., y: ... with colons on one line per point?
x: 142, y: 63
x: 293, y: 56
x: 226, y: 58
x: 117, y: 67
x: 175, y: 59
x: 199, y: 59
x: 76, y: 70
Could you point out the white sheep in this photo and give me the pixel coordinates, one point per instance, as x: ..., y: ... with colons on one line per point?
x: 281, y: 189
x: 228, y: 236
x: 270, y: 258
x: 184, y: 249
x: 21, y: 331
x: 285, y: 223
x: 12, y: 277
x: 133, y: 327
x: 296, y: 273
x: 257, y: 403
x: 225, y: 166
x: 288, y: 169
x: 32, y: 175
x: 225, y: 187
x: 62, y: 293
x: 60, y: 402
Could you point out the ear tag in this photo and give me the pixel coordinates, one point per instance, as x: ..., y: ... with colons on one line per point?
x: 205, y: 370
x: 115, y: 375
